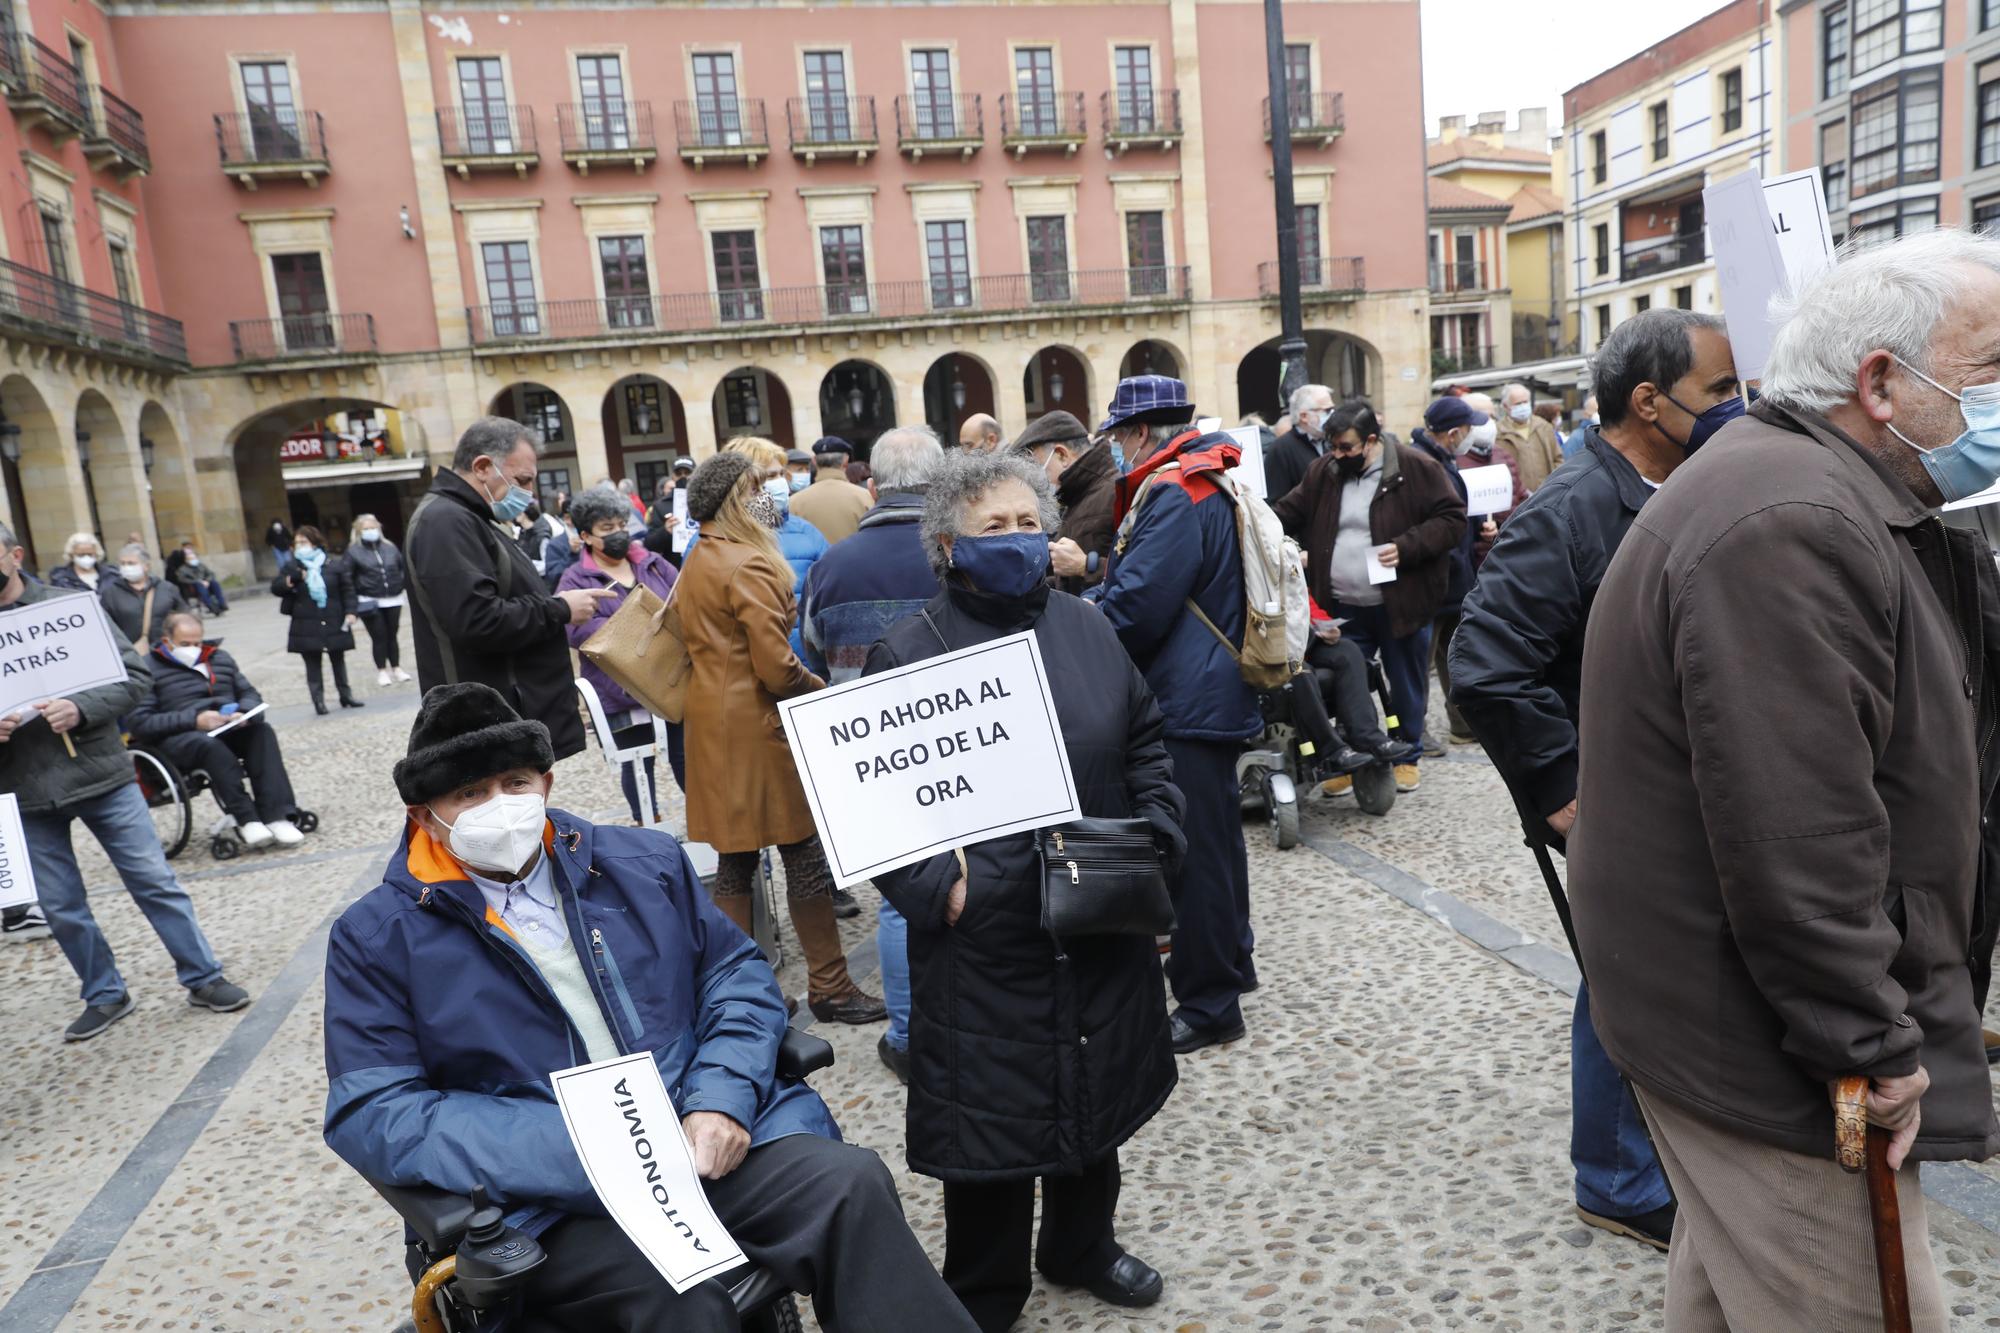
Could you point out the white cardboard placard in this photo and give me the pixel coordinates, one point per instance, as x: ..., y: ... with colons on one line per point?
x: 1797, y: 204
x: 1249, y: 470
x: 1377, y: 571
x: 938, y: 754
x: 636, y: 1154
x: 683, y: 526
x: 54, y: 648
x: 1748, y: 266
x: 17, y: 877
x: 1488, y: 490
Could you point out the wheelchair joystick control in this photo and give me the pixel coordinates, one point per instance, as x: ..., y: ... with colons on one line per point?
x: 494, y: 1259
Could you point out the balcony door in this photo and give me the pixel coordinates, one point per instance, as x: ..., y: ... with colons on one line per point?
x: 1048, y: 259
x: 482, y: 97
x: 1311, y: 271
x: 950, y: 263
x: 717, y: 111
x: 273, y: 111
x: 1146, y: 252
x: 1299, y: 84
x: 1465, y: 269
x: 628, y: 291
x: 1035, y: 91
x: 846, y: 270
x: 1133, y: 66
x: 606, y: 124
x: 738, y: 287
x: 826, y: 97
x: 300, y: 281
x: 931, y: 96
x: 510, y: 288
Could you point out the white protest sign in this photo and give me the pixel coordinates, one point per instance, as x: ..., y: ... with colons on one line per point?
x: 938, y: 754
x: 1249, y: 470
x: 17, y: 877
x: 1488, y: 490
x: 56, y: 647
x: 1748, y: 266
x: 1377, y: 571
x: 1797, y: 205
x: 636, y: 1154
x: 683, y: 526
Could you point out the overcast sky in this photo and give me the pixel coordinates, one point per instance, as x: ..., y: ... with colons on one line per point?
x: 1482, y: 56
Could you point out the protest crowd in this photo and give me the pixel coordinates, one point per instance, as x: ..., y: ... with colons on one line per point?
x: 1738, y: 674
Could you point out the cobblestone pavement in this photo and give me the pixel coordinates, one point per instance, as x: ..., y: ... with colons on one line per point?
x: 1386, y: 1150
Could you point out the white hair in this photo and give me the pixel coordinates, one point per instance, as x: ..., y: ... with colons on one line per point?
x: 1303, y: 399
x: 904, y: 457
x: 1890, y: 297
x: 1504, y: 393
x: 77, y: 539
x: 1480, y: 402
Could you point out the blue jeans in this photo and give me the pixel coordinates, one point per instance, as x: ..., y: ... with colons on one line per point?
x: 1406, y: 664
x: 1617, y: 1172
x: 892, y: 945
x: 121, y: 825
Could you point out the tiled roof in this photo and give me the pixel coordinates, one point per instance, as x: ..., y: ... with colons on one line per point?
x: 1532, y: 201
x: 1449, y: 196
x: 1438, y: 154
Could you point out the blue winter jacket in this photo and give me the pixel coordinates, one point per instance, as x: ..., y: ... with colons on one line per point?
x: 441, y: 1034
x: 864, y: 585
x: 1183, y: 544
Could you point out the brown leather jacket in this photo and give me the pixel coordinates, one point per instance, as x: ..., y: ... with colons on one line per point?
x: 736, y: 611
x: 1088, y: 494
x: 1788, y: 715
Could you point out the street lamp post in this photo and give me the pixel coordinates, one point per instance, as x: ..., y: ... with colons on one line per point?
x: 1292, y: 343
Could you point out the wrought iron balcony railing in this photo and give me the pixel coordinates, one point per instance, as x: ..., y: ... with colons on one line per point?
x: 934, y: 122
x: 721, y: 127
x: 300, y: 336
x: 1669, y: 252
x: 1459, y: 275
x: 820, y: 124
x: 1046, y: 119
x: 1319, y: 115
x: 1317, y: 275
x: 272, y: 141
x: 119, y: 133
x: 491, y: 134
x: 1140, y: 115
x: 49, y: 88
x: 47, y: 307
x: 606, y: 130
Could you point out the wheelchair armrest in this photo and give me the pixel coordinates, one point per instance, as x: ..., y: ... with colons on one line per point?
x: 438, y: 1218
x: 800, y: 1053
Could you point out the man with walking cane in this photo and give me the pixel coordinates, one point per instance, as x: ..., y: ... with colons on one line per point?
x: 1665, y: 377
x: 1782, y: 862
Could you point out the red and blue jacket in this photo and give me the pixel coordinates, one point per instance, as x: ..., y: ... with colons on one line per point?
x: 1183, y: 544
x: 441, y: 1034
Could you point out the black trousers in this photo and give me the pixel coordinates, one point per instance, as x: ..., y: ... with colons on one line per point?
x: 1442, y: 629
x: 1212, y: 942
x: 251, y: 748
x: 1340, y: 673
x: 382, y: 623
x: 987, y: 1227
x: 822, y: 1216
x: 316, y: 684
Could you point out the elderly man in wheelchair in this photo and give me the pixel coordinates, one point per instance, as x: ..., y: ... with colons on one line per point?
x: 509, y: 940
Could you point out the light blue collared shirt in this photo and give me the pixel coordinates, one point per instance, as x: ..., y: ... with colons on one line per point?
x: 528, y: 905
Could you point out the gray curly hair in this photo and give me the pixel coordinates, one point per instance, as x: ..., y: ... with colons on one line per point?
x: 597, y: 504
x: 960, y: 480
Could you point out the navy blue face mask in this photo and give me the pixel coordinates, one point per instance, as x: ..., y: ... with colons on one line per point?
x: 1007, y: 565
x: 1706, y: 423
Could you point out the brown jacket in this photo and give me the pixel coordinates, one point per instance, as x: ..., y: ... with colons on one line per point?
x: 1416, y: 506
x: 1536, y: 445
x: 1787, y: 700
x: 833, y: 504
x: 736, y: 610
x: 1088, y: 494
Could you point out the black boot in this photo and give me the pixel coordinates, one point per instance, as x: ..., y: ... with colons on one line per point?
x: 347, y: 699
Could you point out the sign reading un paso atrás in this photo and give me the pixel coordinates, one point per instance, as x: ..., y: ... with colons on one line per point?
x: 57, y: 647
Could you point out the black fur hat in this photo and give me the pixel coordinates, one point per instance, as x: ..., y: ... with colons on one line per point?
x: 464, y: 733
x: 712, y: 481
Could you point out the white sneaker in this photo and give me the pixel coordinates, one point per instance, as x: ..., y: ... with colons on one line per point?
x: 401, y: 675
x: 382, y: 676
x: 30, y: 925
x: 286, y: 832
x: 254, y: 835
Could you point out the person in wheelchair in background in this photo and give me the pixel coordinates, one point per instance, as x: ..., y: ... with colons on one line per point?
x: 197, y: 688
x: 509, y: 940
x: 1340, y: 717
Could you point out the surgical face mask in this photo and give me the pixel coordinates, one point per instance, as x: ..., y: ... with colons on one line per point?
x: 305, y: 553
x: 1970, y: 463
x: 780, y: 491
x: 500, y: 835
x: 1520, y: 412
x: 186, y: 656
x: 192, y: 559
x: 1005, y: 564
x: 1118, y: 456
x: 763, y: 509
x: 1485, y: 434
x: 1466, y: 443
x: 799, y: 481
x: 511, y: 505
x: 85, y: 562
x: 371, y: 535
x: 1705, y: 423
x: 131, y: 573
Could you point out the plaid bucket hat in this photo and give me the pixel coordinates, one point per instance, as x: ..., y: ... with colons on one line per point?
x: 1154, y: 399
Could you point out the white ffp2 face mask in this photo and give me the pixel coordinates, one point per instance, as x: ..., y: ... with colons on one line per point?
x: 501, y: 835
x: 186, y: 656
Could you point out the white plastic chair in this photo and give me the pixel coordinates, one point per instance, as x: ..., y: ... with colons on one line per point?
x: 635, y: 756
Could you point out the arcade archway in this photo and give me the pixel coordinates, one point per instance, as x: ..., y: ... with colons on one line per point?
x: 956, y: 387
x: 44, y: 503
x: 857, y: 401
x: 645, y: 429
x: 1150, y: 356
x: 542, y: 409
x: 1348, y: 366
x: 324, y: 461
x: 1057, y: 378
x: 753, y: 401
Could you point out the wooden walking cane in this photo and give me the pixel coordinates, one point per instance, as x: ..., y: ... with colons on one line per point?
x: 1858, y: 1146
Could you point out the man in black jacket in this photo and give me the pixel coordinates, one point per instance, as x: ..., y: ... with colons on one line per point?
x: 1287, y: 457
x: 1517, y: 661
x: 479, y: 610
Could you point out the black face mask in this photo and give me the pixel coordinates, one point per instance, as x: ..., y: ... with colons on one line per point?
x: 616, y: 545
x: 1350, y: 465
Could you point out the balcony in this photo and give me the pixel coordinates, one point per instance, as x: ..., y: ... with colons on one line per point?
x: 117, y: 137
x: 488, y: 138
x: 1648, y: 258
x: 1046, y: 122
x: 1462, y: 359
x: 1313, y: 116
x: 721, y: 129
x: 936, y: 123
x: 49, y: 310
x: 1339, y: 276
x: 823, y: 126
x: 48, y: 91
x: 601, y: 133
x: 696, y: 313
x: 1458, y: 277
x: 303, y: 338
x: 272, y: 143
x: 1145, y: 119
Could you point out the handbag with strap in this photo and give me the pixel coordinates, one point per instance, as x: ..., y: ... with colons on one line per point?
x: 1103, y: 877
x: 644, y: 649
x: 141, y: 644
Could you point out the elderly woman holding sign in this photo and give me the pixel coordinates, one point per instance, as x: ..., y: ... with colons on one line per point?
x: 1031, y: 1055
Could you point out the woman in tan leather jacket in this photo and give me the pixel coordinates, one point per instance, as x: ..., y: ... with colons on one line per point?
x: 736, y: 606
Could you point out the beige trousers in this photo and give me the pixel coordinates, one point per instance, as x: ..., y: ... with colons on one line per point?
x: 1770, y: 1241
